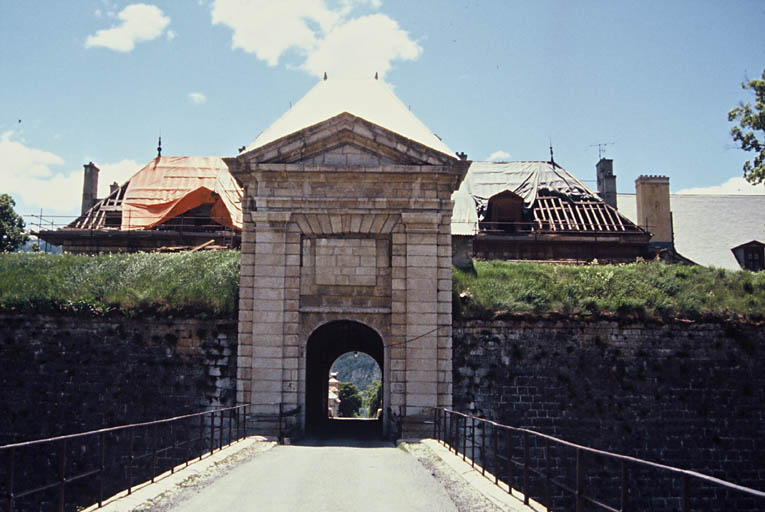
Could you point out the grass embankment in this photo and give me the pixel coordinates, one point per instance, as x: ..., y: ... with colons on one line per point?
x: 201, y: 282
x: 207, y: 283
x: 643, y: 290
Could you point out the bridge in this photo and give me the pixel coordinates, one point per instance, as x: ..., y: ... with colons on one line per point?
x: 213, y: 461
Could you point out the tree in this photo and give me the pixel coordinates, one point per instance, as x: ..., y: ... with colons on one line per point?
x: 373, y: 398
x: 350, y: 400
x: 751, y: 119
x: 12, y: 234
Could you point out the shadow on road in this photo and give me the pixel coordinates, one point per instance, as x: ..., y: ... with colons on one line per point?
x: 346, y: 432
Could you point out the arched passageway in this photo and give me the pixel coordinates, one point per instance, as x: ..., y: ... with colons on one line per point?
x: 325, y: 345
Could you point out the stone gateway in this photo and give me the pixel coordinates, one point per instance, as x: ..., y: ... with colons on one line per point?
x: 346, y: 246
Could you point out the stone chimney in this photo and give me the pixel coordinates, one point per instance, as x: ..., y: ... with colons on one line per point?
x: 606, y: 181
x: 89, y: 186
x: 653, y: 212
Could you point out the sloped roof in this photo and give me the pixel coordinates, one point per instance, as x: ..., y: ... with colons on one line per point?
x: 371, y: 99
x: 171, y: 185
x: 560, y: 202
x: 707, y: 227
x: 526, y: 179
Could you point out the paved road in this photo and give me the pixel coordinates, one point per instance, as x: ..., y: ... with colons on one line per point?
x: 352, y: 476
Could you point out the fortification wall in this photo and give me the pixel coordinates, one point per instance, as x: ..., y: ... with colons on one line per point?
x: 684, y: 394
x: 63, y: 374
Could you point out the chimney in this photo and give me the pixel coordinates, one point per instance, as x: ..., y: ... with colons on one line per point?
x: 653, y: 213
x: 606, y: 181
x: 114, y: 186
x: 89, y: 187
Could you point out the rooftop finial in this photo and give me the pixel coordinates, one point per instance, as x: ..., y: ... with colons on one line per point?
x: 375, y: 75
x: 552, y: 158
x: 159, y: 147
x: 325, y: 75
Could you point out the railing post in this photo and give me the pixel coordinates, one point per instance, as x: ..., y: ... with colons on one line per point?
x: 525, y: 467
x: 464, y: 437
x: 509, y: 461
x: 548, y: 478
x: 494, y: 465
x: 153, y: 450
x: 201, y: 435
x: 102, y: 449
x: 220, y: 432
x: 130, y: 461
x: 579, y: 481
x: 456, y: 435
x: 62, y: 475
x: 212, y: 432
x: 435, y: 423
x: 472, y: 436
x: 10, y: 478
x: 175, y: 448
x: 483, y: 449
x: 238, y: 423
x: 623, y: 507
x: 230, y: 418
x: 281, y: 411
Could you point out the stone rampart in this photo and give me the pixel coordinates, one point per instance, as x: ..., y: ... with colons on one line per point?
x: 63, y: 374
x: 684, y: 394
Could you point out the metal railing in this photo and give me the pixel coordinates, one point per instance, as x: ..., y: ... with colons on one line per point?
x: 124, y: 455
x: 494, y: 445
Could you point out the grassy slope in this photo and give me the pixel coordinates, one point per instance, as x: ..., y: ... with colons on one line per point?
x: 207, y: 282
x: 645, y: 290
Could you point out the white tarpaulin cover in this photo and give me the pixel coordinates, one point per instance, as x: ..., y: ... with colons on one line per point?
x: 526, y: 179
x: 370, y: 99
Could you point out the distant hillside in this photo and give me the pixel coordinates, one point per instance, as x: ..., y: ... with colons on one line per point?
x: 361, y: 370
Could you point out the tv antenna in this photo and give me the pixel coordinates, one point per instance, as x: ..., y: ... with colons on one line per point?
x: 601, y: 148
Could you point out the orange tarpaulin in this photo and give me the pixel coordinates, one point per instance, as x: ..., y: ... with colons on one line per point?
x: 171, y: 185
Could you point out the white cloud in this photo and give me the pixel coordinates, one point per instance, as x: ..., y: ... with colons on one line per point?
x: 328, y: 39
x: 118, y: 172
x: 28, y: 174
x: 197, y: 98
x: 171, y: 34
x: 361, y: 47
x: 140, y: 22
x: 97, y: 13
x: 499, y: 155
x: 734, y: 186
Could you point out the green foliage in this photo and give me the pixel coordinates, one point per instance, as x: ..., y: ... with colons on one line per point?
x: 372, y: 397
x: 12, y: 234
x: 350, y: 400
x: 751, y: 119
x: 642, y: 290
x: 201, y: 282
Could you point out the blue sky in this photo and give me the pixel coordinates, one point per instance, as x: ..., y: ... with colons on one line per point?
x: 99, y: 79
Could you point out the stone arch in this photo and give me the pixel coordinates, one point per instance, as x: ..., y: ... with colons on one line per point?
x: 324, y: 345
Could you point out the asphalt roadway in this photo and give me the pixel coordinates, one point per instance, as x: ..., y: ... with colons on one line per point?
x: 319, y: 475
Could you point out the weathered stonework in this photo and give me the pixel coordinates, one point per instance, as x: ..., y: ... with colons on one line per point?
x: 346, y: 222
x: 67, y: 374
x: 684, y: 394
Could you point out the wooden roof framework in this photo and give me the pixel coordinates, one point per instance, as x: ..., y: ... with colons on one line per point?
x: 552, y: 213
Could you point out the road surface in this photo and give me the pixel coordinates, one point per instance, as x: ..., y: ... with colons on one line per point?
x: 322, y: 476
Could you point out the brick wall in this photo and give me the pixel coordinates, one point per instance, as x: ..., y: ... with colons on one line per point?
x: 684, y: 394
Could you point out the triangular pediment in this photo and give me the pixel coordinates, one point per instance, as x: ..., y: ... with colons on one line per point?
x: 346, y: 139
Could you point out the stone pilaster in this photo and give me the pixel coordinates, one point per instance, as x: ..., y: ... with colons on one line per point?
x: 270, y: 304
x: 421, y: 311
